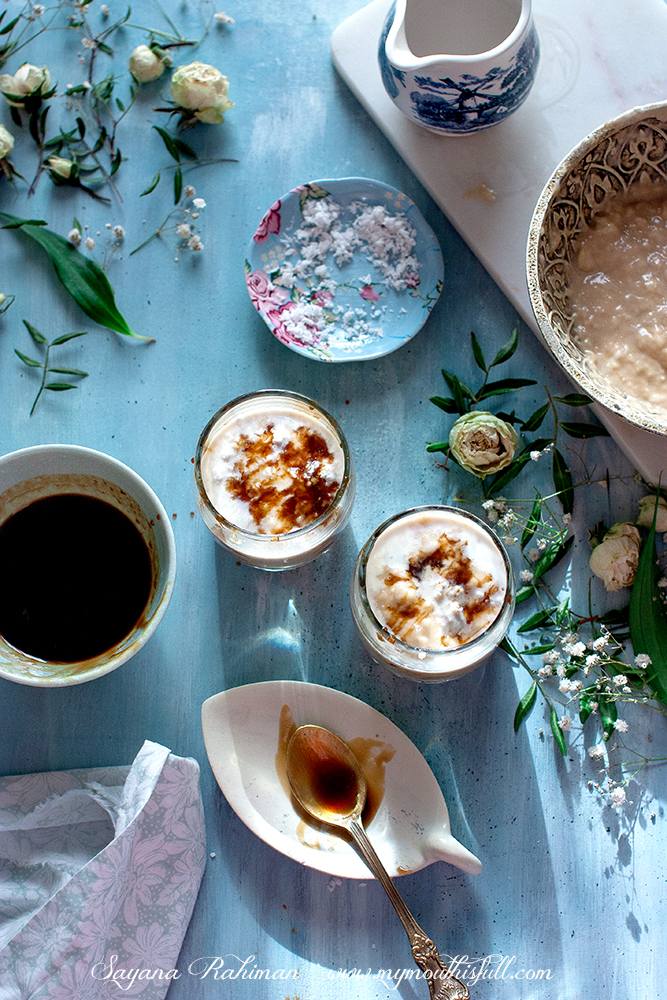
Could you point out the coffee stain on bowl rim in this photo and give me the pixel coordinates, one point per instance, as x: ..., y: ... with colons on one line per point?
x: 373, y: 756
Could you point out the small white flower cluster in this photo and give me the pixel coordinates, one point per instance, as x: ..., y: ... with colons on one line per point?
x: 185, y: 229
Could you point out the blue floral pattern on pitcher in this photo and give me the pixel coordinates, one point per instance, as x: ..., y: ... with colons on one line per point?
x: 464, y: 103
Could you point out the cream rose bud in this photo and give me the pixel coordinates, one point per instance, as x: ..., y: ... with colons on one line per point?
x: 58, y: 165
x: 202, y: 89
x: 6, y: 142
x: 145, y: 65
x: 616, y: 558
x: 482, y: 443
x: 3, y: 299
x: 27, y: 80
x: 646, y: 510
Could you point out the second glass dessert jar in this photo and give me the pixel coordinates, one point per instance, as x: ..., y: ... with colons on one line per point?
x: 440, y: 578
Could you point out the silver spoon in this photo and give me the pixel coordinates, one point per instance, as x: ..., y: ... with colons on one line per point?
x: 327, y: 781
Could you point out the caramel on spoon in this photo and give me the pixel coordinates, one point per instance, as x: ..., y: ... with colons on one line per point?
x: 327, y: 781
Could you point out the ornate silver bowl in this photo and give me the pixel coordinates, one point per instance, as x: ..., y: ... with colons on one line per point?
x: 607, y: 162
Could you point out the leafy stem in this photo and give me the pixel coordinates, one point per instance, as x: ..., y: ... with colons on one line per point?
x: 45, y: 365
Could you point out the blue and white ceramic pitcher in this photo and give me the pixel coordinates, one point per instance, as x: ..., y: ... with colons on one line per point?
x: 457, y: 66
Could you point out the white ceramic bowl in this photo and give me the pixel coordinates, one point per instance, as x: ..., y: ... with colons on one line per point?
x: 607, y: 162
x: 50, y: 469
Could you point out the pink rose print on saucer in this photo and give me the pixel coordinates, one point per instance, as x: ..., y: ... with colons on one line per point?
x: 369, y: 293
x: 269, y: 224
x: 263, y: 293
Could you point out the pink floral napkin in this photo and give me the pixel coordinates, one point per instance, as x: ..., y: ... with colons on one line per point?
x: 99, y: 872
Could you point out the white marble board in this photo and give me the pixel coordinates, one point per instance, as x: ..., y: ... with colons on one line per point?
x: 596, y: 62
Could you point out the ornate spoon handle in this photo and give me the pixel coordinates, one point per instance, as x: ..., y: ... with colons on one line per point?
x: 442, y: 985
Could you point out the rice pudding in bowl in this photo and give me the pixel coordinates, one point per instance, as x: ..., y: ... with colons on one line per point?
x: 589, y: 207
x: 275, y: 479
x: 432, y: 593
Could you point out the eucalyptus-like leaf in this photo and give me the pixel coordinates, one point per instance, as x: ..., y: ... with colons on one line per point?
x: 85, y: 280
x: 524, y: 593
x: 580, y: 430
x: 170, y: 143
x: 28, y: 361
x: 153, y: 184
x: 557, y: 731
x: 545, y: 647
x: 115, y: 163
x: 535, y: 419
x: 10, y: 25
x: 586, y: 697
x: 648, y: 623
x: 445, y: 403
x: 538, y: 620
x: 574, y: 399
x: 525, y: 705
x: 508, y: 349
x: 65, y: 337
x: 460, y: 391
x: 442, y: 446
x: 59, y: 386
x: 563, y: 481
x: 68, y: 371
x: 505, y: 476
x: 178, y: 185
x: 477, y: 353
x: 532, y: 522
x: 608, y: 714
x: 503, y: 386
x: 38, y: 337
x: 551, y: 556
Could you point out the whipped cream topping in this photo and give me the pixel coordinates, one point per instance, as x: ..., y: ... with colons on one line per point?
x: 435, y: 579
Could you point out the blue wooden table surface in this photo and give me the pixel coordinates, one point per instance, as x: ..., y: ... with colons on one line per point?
x: 569, y: 884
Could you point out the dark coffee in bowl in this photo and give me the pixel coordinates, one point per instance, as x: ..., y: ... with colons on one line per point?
x: 75, y: 577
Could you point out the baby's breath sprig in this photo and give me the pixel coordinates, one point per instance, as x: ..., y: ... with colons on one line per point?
x: 46, y: 367
x: 182, y: 222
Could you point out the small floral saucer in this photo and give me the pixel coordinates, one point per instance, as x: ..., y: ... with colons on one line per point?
x: 344, y: 270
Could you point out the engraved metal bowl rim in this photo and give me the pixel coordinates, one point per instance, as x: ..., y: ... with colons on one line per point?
x: 554, y: 339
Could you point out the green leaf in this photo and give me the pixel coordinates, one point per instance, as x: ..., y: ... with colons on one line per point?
x: 538, y: 620
x: 153, y: 184
x: 64, y: 337
x: 557, y: 731
x: 545, y: 647
x: 506, y: 352
x: 68, y: 371
x: 38, y: 337
x: 459, y: 390
x: 574, y: 399
x: 535, y: 420
x: 501, y: 479
x: 178, y: 185
x: 28, y: 361
x: 477, y: 353
x: 578, y: 430
x: 563, y: 481
x: 503, y: 386
x: 445, y: 403
x: 533, y: 522
x: 170, y: 143
x: 8, y: 27
x: 608, y: 715
x: 648, y: 625
x: 525, y: 705
x: 115, y: 163
x: 523, y: 593
x: 185, y: 149
x: 59, y: 386
x: 587, y: 696
x: 442, y: 446
x: 85, y: 280
x: 551, y: 556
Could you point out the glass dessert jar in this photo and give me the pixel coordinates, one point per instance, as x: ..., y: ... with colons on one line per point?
x: 432, y: 593
x: 275, y: 479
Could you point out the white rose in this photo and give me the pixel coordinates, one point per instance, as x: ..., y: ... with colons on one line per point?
x: 6, y: 142
x: 203, y: 90
x: 482, y: 443
x: 145, y: 65
x: 646, y: 510
x: 616, y: 558
x: 58, y: 165
x: 27, y: 80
